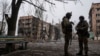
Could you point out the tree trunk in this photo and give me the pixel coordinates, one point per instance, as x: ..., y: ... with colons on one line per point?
x: 11, y: 32
x: 12, y: 23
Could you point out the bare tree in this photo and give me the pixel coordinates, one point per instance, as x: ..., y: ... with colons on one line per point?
x: 11, y: 21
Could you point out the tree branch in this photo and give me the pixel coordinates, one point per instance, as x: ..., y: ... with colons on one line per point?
x: 6, y: 17
x: 62, y: 1
x: 50, y: 2
x: 13, y: 3
x: 34, y: 5
x: 18, y: 3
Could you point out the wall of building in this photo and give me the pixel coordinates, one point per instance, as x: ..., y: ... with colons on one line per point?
x: 95, y: 19
x: 37, y: 29
x: 28, y: 26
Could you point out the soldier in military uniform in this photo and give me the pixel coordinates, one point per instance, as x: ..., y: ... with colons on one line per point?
x: 67, y: 30
x: 82, y: 31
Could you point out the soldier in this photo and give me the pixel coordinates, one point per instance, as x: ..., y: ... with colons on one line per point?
x: 82, y: 31
x: 67, y: 30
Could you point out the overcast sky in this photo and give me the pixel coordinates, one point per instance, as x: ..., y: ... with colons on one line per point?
x: 59, y: 10
x: 77, y: 10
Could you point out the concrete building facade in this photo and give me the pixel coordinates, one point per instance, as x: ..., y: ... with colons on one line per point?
x: 45, y: 26
x: 28, y: 26
x: 94, y: 16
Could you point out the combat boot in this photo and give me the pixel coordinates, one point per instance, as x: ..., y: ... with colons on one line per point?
x: 86, y: 53
x: 80, y: 53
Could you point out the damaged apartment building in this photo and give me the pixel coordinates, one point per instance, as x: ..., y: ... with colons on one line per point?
x: 94, y: 16
x: 34, y: 28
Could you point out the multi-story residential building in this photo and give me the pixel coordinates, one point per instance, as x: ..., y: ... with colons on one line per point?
x: 35, y: 28
x: 45, y: 30
x: 58, y: 31
x: 94, y: 16
x: 28, y: 26
x: 51, y: 33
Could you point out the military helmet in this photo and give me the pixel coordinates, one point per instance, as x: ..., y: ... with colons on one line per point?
x: 69, y: 14
x: 81, y: 17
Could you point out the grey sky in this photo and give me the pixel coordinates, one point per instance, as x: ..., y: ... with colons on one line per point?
x: 59, y: 10
x: 77, y: 10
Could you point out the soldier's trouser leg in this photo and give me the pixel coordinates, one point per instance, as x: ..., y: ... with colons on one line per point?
x: 80, y: 45
x: 86, y: 46
x: 66, y: 46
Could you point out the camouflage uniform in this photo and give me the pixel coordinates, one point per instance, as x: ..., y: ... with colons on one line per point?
x: 82, y: 31
x: 67, y: 30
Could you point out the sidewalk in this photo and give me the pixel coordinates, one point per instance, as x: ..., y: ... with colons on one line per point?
x: 55, y: 49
